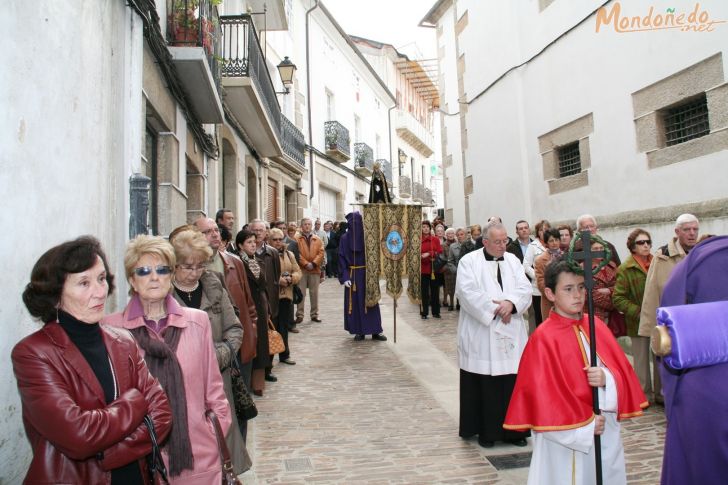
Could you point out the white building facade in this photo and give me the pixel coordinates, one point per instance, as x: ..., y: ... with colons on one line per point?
x: 557, y: 108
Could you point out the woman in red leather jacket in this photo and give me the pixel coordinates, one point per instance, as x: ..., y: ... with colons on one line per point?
x: 84, y: 387
x: 430, y: 249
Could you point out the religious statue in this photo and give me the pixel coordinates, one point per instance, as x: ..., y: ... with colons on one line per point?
x: 378, y: 188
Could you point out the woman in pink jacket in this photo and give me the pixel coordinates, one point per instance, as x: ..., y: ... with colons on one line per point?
x: 178, y: 348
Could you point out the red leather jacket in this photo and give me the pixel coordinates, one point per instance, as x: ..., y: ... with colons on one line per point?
x: 76, y: 437
x: 237, y: 285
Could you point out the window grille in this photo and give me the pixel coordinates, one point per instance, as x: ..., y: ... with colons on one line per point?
x: 569, y: 159
x: 686, y: 121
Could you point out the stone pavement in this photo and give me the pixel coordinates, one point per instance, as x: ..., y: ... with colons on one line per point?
x: 384, y: 412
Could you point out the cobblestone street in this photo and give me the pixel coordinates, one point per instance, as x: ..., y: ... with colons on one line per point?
x: 385, y: 412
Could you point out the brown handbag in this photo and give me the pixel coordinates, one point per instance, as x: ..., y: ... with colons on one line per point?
x: 228, y: 475
x: 275, y: 341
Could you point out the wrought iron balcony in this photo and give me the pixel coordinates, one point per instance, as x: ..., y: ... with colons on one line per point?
x: 250, y: 94
x: 418, y: 192
x: 293, y: 141
x: 337, y: 142
x: 405, y: 187
x: 428, y: 196
x: 194, y: 34
x: 363, y: 159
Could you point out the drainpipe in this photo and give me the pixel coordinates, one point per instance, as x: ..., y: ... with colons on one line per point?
x: 308, y: 101
x: 391, y: 148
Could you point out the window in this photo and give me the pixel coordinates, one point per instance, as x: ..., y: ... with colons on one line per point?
x: 330, y: 112
x: 377, y: 147
x: 569, y: 159
x: 686, y: 121
x: 357, y: 129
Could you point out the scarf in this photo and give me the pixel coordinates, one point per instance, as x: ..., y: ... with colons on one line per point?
x: 643, y: 261
x: 163, y: 364
x: 252, y: 264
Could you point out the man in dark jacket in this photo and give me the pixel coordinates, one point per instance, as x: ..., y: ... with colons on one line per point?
x: 519, y: 245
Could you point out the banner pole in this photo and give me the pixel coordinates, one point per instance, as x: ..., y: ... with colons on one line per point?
x: 395, y: 320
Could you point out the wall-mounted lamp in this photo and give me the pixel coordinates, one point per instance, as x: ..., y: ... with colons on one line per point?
x: 286, y: 69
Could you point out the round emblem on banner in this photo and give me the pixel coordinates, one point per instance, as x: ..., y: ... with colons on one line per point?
x: 394, y: 244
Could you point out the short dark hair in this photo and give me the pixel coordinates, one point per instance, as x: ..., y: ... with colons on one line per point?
x: 427, y: 223
x: 633, y: 237
x: 43, y: 293
x: 220, y: 214
x: 567, y: 228
x: 553, y: 270
x: 551, y: 233
x: 539, y: 225
x: 521, y: 222
x: 243, y: 236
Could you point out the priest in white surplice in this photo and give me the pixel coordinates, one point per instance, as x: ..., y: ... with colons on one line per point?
x: 494, y: 292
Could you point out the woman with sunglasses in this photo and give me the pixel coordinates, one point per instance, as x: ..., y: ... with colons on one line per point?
x: 627, y: 298
x: 84, y: 387
x: 178, y: 348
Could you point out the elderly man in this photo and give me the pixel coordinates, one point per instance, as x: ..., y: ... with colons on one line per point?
x: 665, y: 260
x: 310, y: 259
x: 587, y: 222
x: 494, y: 292
x: 236, y: 283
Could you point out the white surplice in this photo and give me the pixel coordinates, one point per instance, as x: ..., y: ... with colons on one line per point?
x: 486, y: 345
x: 567, y: 457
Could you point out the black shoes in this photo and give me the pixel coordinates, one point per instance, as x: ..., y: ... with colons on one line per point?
x: 380, y: 337
x: 437, y: 316
x: 358, y: 338
x: 424, y: 317
x: 486, y: 443
x: 271, y: 378
x: 288, y: 361
x: 316, y: 319
x: 450, y: 308
x: 294, y: 330
x: 521, y: 442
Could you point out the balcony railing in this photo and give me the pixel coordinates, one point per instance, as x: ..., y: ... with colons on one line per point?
x: 428, y: 196
x: 243, y: 57
x: 418, y: 192
x: 337, y: 141
x: 363, y: 159
x: 196, y: 23
x: 405, y: 187
x: 292, y: 141
x: 414, y: 132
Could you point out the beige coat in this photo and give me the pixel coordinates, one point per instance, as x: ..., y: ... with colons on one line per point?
x: 662, y: 265
x: 289, y: 265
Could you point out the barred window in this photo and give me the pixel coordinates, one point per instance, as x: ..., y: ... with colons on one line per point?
x: 686, y: 121
x: 569, y: 159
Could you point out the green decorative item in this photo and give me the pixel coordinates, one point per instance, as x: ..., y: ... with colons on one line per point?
x: 574, y: 264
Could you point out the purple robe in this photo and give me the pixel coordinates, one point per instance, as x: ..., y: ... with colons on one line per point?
x: 696, y: 400
x: 358, y: 318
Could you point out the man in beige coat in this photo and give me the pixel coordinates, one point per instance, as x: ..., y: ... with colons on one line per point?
x: 666, y: 257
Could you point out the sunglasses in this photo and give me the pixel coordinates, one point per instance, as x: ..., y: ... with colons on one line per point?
x: 277, y: 239
x: 147, y: 270
x: 644, y: 241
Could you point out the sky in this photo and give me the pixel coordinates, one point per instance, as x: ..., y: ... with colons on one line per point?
x: 389, y: 21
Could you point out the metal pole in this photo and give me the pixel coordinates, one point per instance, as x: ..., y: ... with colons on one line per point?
x: 395, y: 320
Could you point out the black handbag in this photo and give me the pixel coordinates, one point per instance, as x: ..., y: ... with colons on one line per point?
x: 244, y: 404
x: 297, y: 295
x: 439, y: 263
x: 155, y: 464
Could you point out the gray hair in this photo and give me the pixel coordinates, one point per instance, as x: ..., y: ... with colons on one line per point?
x: 492, y: 227
x: 685, y: 219
x: 450, y: 230
x: 582, y: 217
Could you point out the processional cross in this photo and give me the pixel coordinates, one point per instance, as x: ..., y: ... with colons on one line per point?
x: 587, y: 256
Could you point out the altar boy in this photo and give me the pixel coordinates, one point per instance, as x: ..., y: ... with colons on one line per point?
x: 553, y: 392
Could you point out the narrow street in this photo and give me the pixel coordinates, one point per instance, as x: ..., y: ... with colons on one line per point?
x: 379, y: 412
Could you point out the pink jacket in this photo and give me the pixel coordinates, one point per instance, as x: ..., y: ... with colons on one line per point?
x: 203, y: 387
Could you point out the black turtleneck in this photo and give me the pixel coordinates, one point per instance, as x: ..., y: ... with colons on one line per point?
x: 87, y: 337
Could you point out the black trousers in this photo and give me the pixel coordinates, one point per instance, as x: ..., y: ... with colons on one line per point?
x: 430, y: 293
x: 332, y: 262
x: 483, y: 404
x: 285, y: 320
x: 536, y: 305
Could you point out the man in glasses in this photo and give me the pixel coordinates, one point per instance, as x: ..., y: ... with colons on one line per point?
x: 236, y: 282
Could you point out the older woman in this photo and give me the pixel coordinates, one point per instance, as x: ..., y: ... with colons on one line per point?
x: 178, y: 348
x: 195, y: 287
x: 245, y: 241
x: 449, y: 274
x: 629, y: 290
x: 84, y: 387
x: 535, y: 249
x: 290, y: 275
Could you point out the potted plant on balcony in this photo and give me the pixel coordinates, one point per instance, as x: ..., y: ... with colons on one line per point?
x: 187, y: 23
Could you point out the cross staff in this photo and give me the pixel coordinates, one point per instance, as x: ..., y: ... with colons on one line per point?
x: 587, y: 256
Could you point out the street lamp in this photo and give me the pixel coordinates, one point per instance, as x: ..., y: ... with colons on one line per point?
x: 286, y: 69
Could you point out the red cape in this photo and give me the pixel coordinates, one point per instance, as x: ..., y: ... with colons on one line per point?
x: 551, y: 390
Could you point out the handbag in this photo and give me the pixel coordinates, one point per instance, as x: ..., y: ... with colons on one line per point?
x: 243, y: 402
x: 228, y: 475
x: 155, y: 464
x: 617, y: 324
x: 297, y: 295
x: 439, y: 264
x: 275, y: 341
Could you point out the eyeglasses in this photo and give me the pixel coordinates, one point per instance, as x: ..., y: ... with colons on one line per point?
x: 276, y: 239
x: 192, y: 267
x: 147, y: 270
x: 644, y: 241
